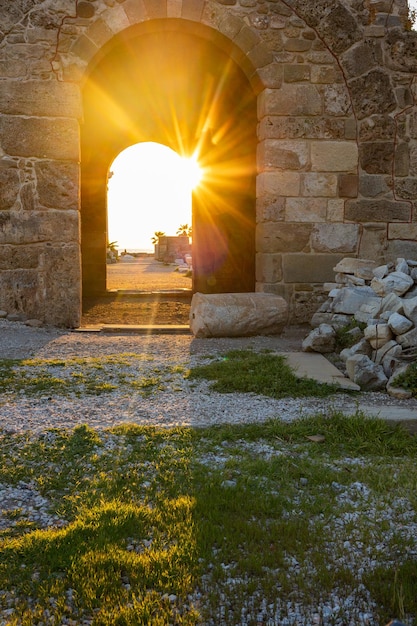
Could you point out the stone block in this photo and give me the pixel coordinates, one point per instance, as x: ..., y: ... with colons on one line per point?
x: 309, y: 268
x: 396, y: 282
x: 305, y: 210
x: 334, y: 156
x: 315, y: 127
x: 397, y: 247
x: 362, y: 57
x: 268, y: 268
x: 318, y: 184
x: 348, y: 185
x: 19, y: 257
x: 402, y: 231
x: 337, y: 100
x: 399, y: 324
x: 362, y: 347
x: 155, y: 8
x: 335, y: 210
x: 237, y: 314
x: 37, y: 227
x: 377, y: 211
x: 297, y: 73
x: 348, y: 300
x: 192, y: 9
x: 410, y: 309
x: 274, y: 153
x: 337, y: 27
x: 41, y: 99
x: 351, y: 265
x: 9, y: 187
x: 271, y: 76
x: 392, y: 303
x: 335, y: 238
x: 373, y: 186
x: 246, y: 39
x: 58, y: 184
x: 378, y: 335
x: 278, y: 183
x: 365, y: 373
x: 372, y: 94
x: 322, y: 339
x: 376, y: 158
x: 99, y: 32
x: 40, y: 137
x: 282, y: 237
x: 291, y: 100
x: 270, y: 209
x: 408, y: 340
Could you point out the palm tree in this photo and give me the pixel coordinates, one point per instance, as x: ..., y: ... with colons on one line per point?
x: 184, y: 230
x: 157, y: 235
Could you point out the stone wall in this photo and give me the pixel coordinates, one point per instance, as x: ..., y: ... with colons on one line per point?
x: 337, y: 136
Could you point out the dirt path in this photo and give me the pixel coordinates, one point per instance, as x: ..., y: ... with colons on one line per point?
x: 146, y: 274
x: 143, y: 276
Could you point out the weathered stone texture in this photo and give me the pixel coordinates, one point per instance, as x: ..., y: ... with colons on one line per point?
x: 268, y: 268
x: 335, y: 238
x: 9, y: 187
x: 336, y: 158
x: 58, y: 184
x: 281, y: 237
x: 372, y: 93
x: 41, y: 99
x: 377, y: 211
x: 40, y: 137
x: 309, y: 268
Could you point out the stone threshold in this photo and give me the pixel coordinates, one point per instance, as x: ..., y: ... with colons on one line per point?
x: 142, y: 329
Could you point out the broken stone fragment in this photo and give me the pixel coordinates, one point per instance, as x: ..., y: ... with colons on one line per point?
x: 381, y: 271
x: 361, y: 347
x: 408, y: 340
x: 369, y: 310
x: 392, y: 303
x: 396, y: 282
x: 410, y: 309
x: 399, y: 324
x: 349, y: 265
x: 394, y: 389
x: 402, y: 266
x: 365, y: 373
x: 320, y: 317
x: 349, y: 299
x: 322, y: 339
x: 378, y: 334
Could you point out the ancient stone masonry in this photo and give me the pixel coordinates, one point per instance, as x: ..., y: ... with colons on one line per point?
x: 335, y: 150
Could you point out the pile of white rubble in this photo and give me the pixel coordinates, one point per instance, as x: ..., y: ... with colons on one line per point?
x: 382, y: 300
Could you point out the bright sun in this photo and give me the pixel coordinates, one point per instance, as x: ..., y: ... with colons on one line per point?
x: 149, y: 190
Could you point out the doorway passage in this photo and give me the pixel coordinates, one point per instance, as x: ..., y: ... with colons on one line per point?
x: 175, y: 87
x: 149, y: 217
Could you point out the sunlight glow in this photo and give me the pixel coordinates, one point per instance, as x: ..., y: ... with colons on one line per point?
x: 149, y: 189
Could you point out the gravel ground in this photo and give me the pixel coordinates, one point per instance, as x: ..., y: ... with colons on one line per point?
x: 180, y: 402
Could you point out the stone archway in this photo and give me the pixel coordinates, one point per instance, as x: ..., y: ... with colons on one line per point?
x: 336, y: 138
x: 163, y: 82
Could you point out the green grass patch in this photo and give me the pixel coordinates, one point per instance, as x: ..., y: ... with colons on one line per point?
x: 244, y: 371
x: 408, y: 380
x: 182, y: 526
x: 82, y: 376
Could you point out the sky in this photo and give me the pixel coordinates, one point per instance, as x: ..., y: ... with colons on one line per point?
x: 149, y: 190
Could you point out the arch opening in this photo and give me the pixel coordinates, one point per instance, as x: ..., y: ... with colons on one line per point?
x: 182, y: 91
x: 149, y: 216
